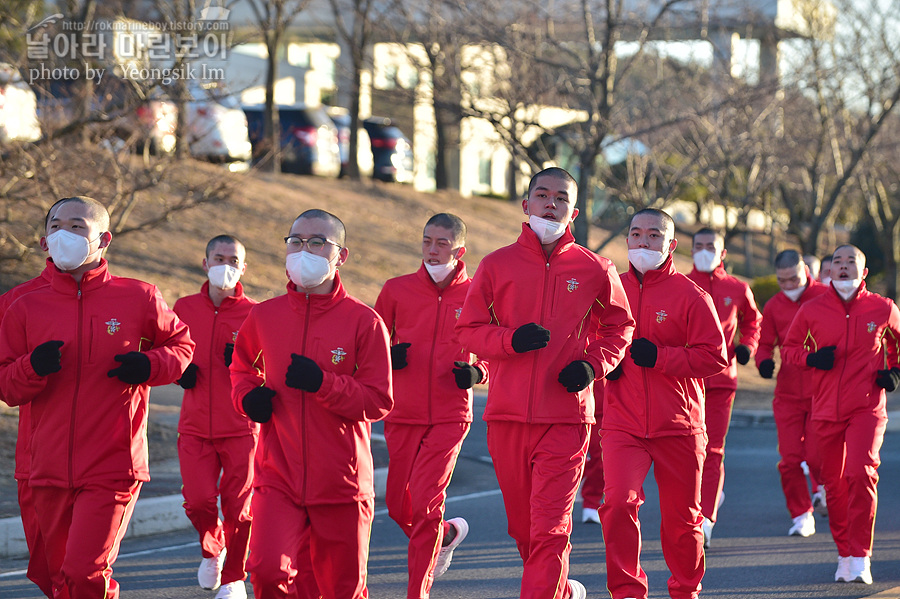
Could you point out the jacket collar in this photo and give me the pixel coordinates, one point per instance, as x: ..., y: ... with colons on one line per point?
x: 93, y: 279
x: 717, y: 273
x: 318, y: 301
x: 228, y: 301
x: 459, y: 276
x: 529, y: 239
x: 862, y: 291
x: 652, y: 277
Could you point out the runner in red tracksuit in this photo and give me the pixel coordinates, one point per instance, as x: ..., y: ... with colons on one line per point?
x: 84, y: 352
x: 313, y: 366
x: 653, y: 414
x: 793, y: 390
x: 38, y: 571
x: 216, y: 444
x: 848, y: 341
x: 737, y: 312
x: 550, y: 316
x: 433, y: 378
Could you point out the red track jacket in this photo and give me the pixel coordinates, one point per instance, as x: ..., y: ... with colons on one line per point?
x: 86, y: 426
x: 677, y: 316
x: 737, y: 310
x: 866, y: 331
x: 316, y: 446
x: 23, y: 453
x: 792, y: 381
x: 417, y: 311
x: 575, y: 294
x: 207, y: 410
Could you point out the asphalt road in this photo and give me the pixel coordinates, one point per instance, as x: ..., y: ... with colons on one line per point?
x: 751, y: 555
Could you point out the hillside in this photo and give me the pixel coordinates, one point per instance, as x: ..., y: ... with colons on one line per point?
x: 384, y: 226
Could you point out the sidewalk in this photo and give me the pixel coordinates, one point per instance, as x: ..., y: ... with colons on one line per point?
x: 159, y: 510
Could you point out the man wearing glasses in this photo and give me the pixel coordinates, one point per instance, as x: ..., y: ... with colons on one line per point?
x: 313, y: 367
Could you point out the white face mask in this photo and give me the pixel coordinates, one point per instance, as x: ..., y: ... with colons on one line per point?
x: 826, y: 281
x: 794, y: 294
x: 547, y: 231
x: 68, y: 250
x: 846, y: 287
x: 439, y: 272
x: 307, y: 270
x: 706, y: 260
x: 644, y: 259
x: 223, y: 276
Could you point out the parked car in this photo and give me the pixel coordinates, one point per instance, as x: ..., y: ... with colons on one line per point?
x: 309, y: 139
x: 392, y: 154
x: 18, y: 107
x: 217, y: 127
x: 341, y: 119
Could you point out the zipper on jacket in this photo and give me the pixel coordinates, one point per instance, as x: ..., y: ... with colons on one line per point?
x: 534, y: 360
x: 79, y: 334
x: 437, y: 320
x: 212, y: 344
x: 646, y: 384
x: 304, y: 440
x: 837, y: 403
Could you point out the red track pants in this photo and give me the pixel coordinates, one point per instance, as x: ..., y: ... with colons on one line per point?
x: 539, y: 468
x: 38, y: 570
x: 718, y: 417
x: 82, y: 530
x: 677, y: 463
x: 323, y: 548
x: 422, y: 459
x: 202, y: 462
x: 592, y: 487
x: 849, y: 451
x: 796, y: 444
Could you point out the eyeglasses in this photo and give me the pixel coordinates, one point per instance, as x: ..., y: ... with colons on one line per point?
x: 313, y: 243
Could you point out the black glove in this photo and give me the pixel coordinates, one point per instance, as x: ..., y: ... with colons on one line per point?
x: 467, y: 376
x: 767, y: 368
x: 822, y: 359
x: 576, y: 376
x: 135, y: 368
x: 615, y: 374
x: 303, y: 374
x: 257, y: 404
x: 742, y: 353
x: 46, y: 357
x: 644, y: 352
x: 229, y: 352
x: 888, y: 379
x: 189, y: 377
x: 530, y: 337
x: 398, y: 356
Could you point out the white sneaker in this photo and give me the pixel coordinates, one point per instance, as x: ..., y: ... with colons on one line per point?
x: 804, y: 526
x: 707, y: 527
x: 446, y: 553
x: 818, y: 502
x: 860, y: 570
x: 232, y: 590
x: 576, y: 590
x: 590, y: 514
x: 842, y: 574
x: 209, y: 574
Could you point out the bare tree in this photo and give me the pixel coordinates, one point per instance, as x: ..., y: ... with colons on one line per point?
x: 273, y: 19
x: 574, y: 43
x: 850, y: 82
x: 354, y: 22
x: 433, y: 35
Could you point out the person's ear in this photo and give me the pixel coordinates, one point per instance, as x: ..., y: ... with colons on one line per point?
x: 722, y: 257
x: 460, y: 252
x: 105, y: 240
x: 205, y: 265
x: 525, y: 205
x: 44, y: 245
x: 342, y: 256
